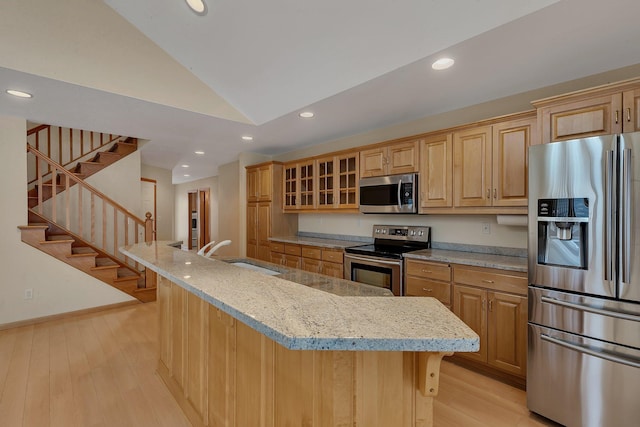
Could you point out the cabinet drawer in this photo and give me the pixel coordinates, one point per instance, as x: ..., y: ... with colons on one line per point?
x: 429, y: 270
x: 292, y: 249
x: 332, y: 255
x: 419, y: 287
x: 277, y: 247
x: 491, y: 279
x: 313, y: 253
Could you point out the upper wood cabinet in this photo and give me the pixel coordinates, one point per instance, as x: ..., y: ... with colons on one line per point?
x: 490, y: 164
x: 603, y: 110
x: 436, y: 171
x: 299, y: 185
x: 260, y: 183
x: 392, y: 159
x: 264, y: 214
x: 325, y: 183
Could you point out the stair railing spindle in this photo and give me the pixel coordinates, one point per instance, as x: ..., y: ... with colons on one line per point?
x: 80, y: 218
x: 54, y: 209
x: 93, y: 218
x: 67, y: 202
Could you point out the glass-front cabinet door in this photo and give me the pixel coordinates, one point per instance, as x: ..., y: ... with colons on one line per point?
x: 290, y: 186
x: 348, y: 175
x: 326, y: 183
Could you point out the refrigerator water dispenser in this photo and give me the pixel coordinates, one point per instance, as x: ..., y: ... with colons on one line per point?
x: 562, y: 232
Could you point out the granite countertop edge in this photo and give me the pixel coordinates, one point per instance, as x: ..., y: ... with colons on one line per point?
x: 502, y: 262
x: 293, y: 316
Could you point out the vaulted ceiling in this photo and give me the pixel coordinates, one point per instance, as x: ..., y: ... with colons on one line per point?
x: 153, y: 69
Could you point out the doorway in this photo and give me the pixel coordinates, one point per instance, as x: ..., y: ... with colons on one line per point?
x: 199, y: 206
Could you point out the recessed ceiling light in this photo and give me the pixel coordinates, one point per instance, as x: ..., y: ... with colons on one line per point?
x: 442, y: 64
x: 199, y: 152
x: 306, y: 114
x: 185, y: 166
x: 188, y: 263
x: 198, y: 6
x: 186, y: 174
x: 19, y: 93
x: 247, y: 138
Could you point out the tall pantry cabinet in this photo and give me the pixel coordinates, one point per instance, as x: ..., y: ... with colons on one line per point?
x: 265, y: 217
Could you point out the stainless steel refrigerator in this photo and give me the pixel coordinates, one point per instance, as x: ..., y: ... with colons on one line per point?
x: 584, y: 281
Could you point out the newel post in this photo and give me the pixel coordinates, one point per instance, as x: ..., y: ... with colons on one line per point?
x: 148, y: 228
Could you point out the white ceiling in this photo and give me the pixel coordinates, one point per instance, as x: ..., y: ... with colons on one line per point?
x: 154, y: 70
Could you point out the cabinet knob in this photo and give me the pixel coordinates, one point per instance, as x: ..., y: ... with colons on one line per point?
x: 427, y: 290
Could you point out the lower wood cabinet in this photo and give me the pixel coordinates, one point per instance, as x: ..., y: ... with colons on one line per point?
x: 494, y: 304
x: 428, y: 279
x: 309, y: 258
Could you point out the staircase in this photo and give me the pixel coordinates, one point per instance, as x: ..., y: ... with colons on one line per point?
x: 77, y: 224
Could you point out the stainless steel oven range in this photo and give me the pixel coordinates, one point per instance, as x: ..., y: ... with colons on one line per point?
x: 381, y: 263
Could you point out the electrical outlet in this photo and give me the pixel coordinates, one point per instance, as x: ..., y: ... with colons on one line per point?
x: 486, y: 228
x: 28, y: 293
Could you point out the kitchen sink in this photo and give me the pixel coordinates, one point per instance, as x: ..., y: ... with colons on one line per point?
x: 255, y: 268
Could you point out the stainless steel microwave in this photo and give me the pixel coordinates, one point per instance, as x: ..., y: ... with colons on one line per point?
x: 389, y: 194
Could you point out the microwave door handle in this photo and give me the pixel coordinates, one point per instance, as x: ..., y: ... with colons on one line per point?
x: 399, y: 193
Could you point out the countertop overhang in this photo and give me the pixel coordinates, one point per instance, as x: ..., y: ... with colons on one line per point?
x: 303, y: 318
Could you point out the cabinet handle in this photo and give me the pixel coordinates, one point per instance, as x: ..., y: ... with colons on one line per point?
x: 490, y: 305
x: 427, y: 271
x: 484, y: 303
x: 488, y: 193
x: 628, y: 114
x: 616, y: 116
x: 487, y: 281
x: 427, y: 290
x: 495, y: 193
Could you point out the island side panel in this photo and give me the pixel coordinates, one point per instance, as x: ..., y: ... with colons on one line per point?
x: 224, y: 373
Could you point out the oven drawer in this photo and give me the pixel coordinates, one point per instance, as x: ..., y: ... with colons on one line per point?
x: 418, y: 287
x: 430, y: 270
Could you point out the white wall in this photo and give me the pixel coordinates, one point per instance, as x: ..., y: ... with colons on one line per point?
x: 120, y: 181
x: 57, y: 287
x: 165, y: 200
x: 181, y: 212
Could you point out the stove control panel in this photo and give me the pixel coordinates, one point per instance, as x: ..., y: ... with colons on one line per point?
x: 410, y: 233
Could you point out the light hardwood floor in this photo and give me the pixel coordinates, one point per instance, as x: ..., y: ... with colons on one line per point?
x: 99, y: 370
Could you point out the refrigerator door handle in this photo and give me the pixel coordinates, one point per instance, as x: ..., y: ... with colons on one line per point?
x: 606, y: 356
x: 589, y: 309
x: 626, y: 204
x: 608, y: 229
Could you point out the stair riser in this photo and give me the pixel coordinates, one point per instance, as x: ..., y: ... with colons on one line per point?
x: 33, y: 237
x: 124, y: 148
x: 82, y: 263
x: 129, y: 286
x: 108, y: 158
x: 59, y: 250
x: 106, y: 275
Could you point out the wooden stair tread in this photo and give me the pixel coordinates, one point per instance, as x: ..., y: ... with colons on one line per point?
x: 104, y: 267
x: 105, y: 262
x: 33, y: 227
x: 52, y: 242
x: 83, y: 250
x: 58, y: 237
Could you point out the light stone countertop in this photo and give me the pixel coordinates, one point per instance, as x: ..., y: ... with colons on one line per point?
x: 303, y: 318
x: 502, y: 262
x: 317, y: 241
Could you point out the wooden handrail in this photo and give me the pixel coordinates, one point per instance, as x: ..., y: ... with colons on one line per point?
x: 72, y: 156
x: 68, y: 179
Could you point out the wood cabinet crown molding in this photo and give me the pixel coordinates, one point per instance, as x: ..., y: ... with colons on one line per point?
x: 605, y: 89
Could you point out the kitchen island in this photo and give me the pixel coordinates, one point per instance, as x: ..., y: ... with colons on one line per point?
x: 243, y: 348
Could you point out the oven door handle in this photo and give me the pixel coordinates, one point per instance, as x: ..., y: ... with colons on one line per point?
x: 357, y: 258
